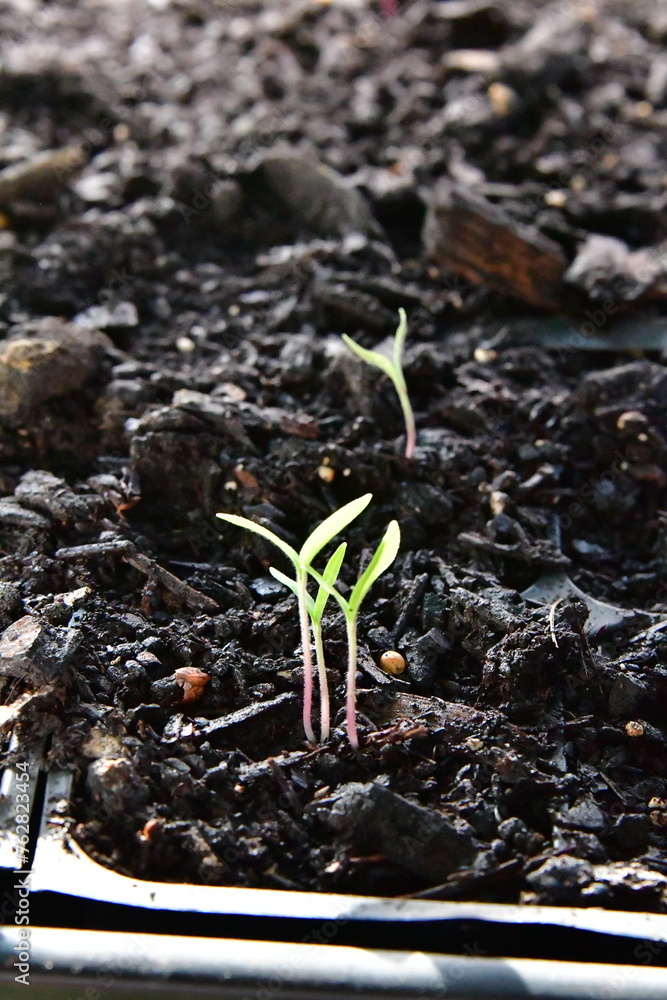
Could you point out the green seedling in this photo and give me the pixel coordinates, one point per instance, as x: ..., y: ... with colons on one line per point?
x: 393, y: 367
x: 321, y: 536
x: 381, y: 561
x: 316, y: 611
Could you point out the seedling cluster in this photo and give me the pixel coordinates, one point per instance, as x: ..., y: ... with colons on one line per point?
x: 311, y: 609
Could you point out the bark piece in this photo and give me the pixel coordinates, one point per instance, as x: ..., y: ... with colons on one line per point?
x: 12, y: 513
x: 479, y: 240
x: 42, y: 492
x: 261, y: 718
x: 457, y: 720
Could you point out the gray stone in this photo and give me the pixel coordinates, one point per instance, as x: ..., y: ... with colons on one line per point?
x: 368, y: 817
x: 584, y: 814
x: 626, y: 695
x: 316, y: 197
x: 558, y: 877
x: 116, y: 785
x: 32, y: 649
x: 43, y: 360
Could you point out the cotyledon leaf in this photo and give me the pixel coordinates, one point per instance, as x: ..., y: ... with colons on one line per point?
x: 382, y: 560
x: 330, y: 575
x: 331, y: 526
x: 259, y: 529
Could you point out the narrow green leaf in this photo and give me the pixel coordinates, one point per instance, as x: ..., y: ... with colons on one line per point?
x: 243, y: 522
x: 370, y: 357
x: 331, y: 571
x: 399, y: 339
x: 286, y: 581
x: 330, y: 590
x: 331, y: 526
x: 292, y: 585
x: 382, y: 560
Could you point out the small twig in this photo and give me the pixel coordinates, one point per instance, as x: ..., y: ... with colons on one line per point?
x: 614, y: 788
x: 461, y: 882
x: 192, y: 598
x: 119, y: 547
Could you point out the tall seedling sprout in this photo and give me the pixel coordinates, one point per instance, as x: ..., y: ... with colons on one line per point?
x: 393, y: 367
x: 321, y: 536
x: 381, y: 561
x: 316, y: 611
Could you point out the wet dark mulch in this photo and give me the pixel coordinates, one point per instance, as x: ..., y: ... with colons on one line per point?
x: 196, y: 202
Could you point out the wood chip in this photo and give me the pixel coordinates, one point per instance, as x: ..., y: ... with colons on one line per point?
x: 470, y: 235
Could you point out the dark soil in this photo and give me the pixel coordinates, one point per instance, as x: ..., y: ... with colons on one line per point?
x: 177, y: 270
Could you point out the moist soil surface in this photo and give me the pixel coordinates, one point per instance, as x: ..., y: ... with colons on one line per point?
x: 196, y: 200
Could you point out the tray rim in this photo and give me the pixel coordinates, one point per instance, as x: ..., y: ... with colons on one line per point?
x: 61, y: 866
x: 225, y: 967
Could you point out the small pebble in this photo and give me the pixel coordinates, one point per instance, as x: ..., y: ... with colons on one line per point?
x: 74, y: 597
x: 556, y: 198
x: 232, y: 391
x: 474, y: 743
x: 484, y: 355
x: 502, y: 98
x: 498, y: 502
x: 185, y: 345
x: 392, y: 662
x: 326, y: 473
x: 643, y: 109
x: 634, y: 729
x: 145, y: 656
